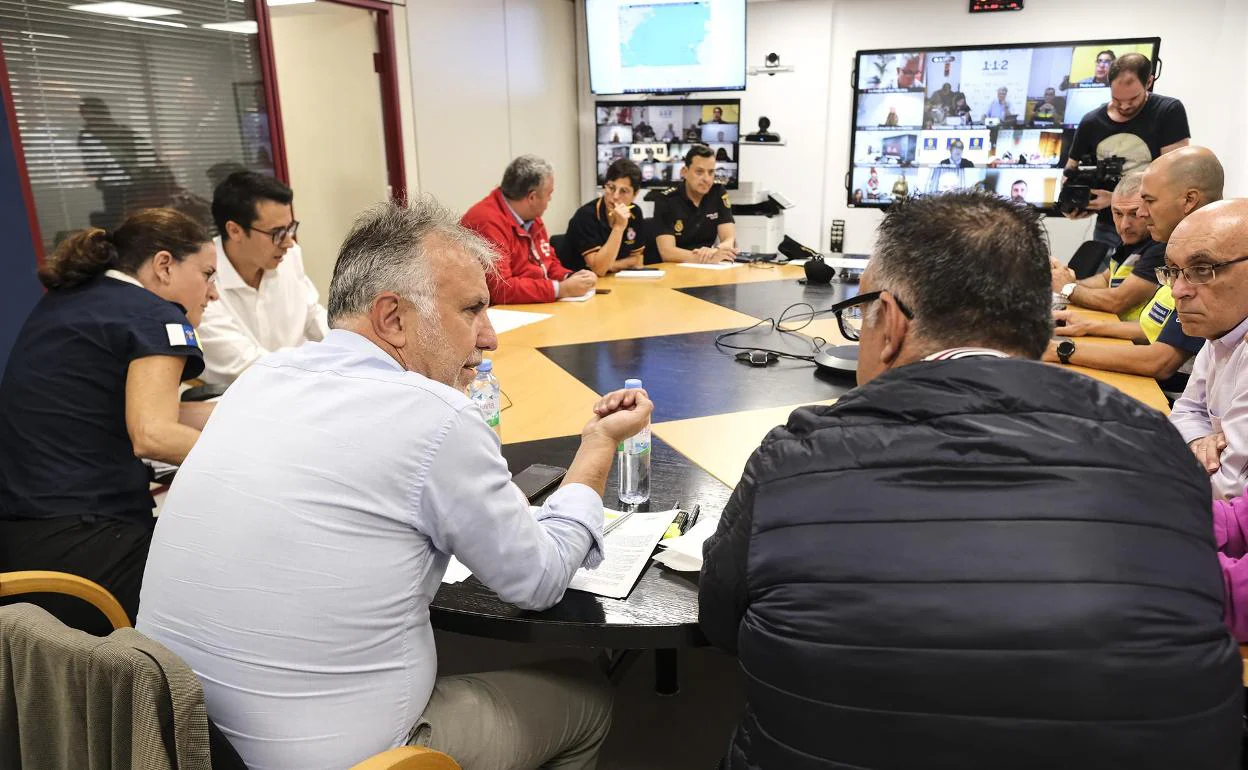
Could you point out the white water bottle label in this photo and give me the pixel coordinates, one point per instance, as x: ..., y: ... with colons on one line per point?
x: 487, y: 402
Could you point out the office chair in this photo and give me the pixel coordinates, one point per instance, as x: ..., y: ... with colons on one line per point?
x: 1088, y: 259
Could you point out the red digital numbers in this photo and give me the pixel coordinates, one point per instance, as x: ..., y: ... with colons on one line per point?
x: 987, y: 6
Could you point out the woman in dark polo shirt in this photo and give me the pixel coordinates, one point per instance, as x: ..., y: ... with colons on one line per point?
x: 90, y: 391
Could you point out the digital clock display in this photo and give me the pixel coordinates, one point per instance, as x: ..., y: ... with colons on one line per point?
x: 988, y: 6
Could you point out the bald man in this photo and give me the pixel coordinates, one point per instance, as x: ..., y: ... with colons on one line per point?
x: 1177, y: 184
x: 1208, y: 276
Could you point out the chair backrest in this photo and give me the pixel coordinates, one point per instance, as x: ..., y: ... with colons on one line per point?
x: 42, y: 581
x: 560, y: 244
x: 1088, y: 258
x: 408, y: 758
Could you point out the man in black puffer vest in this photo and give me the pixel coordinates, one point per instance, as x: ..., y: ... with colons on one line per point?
x: 973, y: 561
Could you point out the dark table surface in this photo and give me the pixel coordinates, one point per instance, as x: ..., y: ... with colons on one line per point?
x: 687, y: 377
x: 660, y: 612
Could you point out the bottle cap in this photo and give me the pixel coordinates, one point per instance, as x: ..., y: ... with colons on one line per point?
x: 486, y: 366
x: 632, y: 383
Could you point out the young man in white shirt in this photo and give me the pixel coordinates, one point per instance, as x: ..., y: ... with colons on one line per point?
x: 267, y: 301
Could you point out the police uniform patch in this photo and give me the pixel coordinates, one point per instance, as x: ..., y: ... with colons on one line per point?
x: 680, y: 226
x: 727, y: 202
x: 182, y: 335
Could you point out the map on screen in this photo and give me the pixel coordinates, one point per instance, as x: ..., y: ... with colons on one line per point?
x: 665, y: 46
x: 664, y: 34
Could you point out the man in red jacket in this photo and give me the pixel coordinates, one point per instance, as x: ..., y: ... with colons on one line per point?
x: 510, y: 217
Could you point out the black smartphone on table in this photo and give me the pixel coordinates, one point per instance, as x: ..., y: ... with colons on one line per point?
x: 537, y: 479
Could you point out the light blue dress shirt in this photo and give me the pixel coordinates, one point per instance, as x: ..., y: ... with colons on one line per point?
x: 297, y: 553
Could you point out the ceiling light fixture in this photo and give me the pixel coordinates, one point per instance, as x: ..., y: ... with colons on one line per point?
x: 241, y: 27
x: 128, y: 10
x: 161, y: 22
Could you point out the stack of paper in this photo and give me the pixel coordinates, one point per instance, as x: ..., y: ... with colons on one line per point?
x: 583, y: 298
x: 684, y: 553
x: 627, y: 552
x: 456, y: 572
x: 640, y: 274
x: 709, y: 265
x: 506, y: 320
x: 628, y: 548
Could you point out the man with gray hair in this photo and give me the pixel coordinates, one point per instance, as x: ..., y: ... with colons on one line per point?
x: 303, y: 540
x: 972, y: 555
x: 1130, y: 281
x: 510, y: 217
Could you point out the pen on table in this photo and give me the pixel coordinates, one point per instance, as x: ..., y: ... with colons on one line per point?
x: 617, y: 521
x: 693, y: 518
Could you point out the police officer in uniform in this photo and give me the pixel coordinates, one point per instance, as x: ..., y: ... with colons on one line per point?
x: 90, y: 391
x: 694, y: 219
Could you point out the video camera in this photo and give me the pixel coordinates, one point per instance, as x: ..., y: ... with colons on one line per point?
x: 1092, y: 174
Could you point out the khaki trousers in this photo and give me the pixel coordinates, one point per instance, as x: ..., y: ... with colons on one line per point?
x: 552, y: 715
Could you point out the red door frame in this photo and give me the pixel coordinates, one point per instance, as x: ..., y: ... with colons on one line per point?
x: 19, y: 155
x: 387, y: 67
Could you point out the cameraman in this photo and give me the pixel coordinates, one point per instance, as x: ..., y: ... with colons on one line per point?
x: 1137, y: 125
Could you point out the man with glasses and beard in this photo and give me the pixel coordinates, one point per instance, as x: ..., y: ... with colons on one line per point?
x: 267, y: 302
x: 973, y: 559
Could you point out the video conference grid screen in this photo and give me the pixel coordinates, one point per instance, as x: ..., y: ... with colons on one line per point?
x: 657, y: 134
x: 665, y: 46
x: 999, y: 119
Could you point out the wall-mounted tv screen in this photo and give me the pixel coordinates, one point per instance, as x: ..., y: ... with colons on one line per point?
x: 657, y: 134
x: 997, y: 118
x: 665, y: 46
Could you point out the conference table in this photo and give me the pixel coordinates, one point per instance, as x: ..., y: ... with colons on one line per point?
x: 710, y: 413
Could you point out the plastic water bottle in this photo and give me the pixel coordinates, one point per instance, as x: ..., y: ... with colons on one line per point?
x: 633, y: 456
x: 484, y: 392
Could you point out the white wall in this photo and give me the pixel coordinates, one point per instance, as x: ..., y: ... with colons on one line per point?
x: 324, y: 57
x: 1202, y: 49
x: 493, y: 79
x: 797, y: 104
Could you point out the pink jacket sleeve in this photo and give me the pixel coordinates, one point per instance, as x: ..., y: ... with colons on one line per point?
x: 1230, y: 523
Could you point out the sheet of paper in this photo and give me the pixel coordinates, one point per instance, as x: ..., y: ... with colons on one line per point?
x: 506, y: 320
x: 684, y: 553
x: 456, y: 572
x: 628, y: 550
x: 691, y: 542
x: 583, y: 298
x: 679, y: 561
x: 641, y: 274
x: 709, y: 265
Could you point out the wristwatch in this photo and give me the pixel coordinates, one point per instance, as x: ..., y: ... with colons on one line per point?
x: 1068, y: 289
x: 1065, y: 349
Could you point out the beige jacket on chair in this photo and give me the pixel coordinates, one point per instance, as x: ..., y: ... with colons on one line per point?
x: 72, y: 700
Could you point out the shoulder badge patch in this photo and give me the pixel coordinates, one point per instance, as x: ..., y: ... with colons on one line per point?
x: 182, y: 335
x: 680, y: 226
